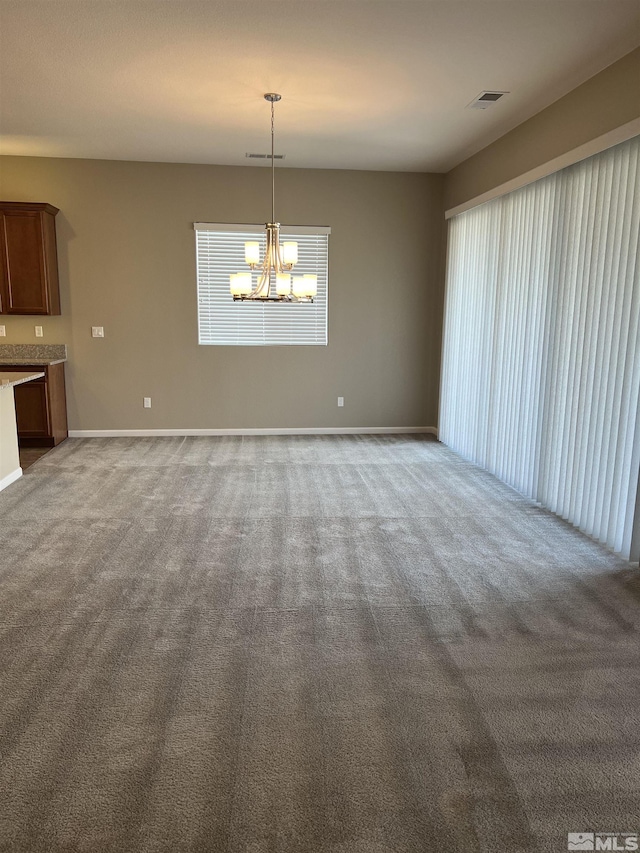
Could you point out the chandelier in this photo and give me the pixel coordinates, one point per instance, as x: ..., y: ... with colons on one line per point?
x: 274, y: 281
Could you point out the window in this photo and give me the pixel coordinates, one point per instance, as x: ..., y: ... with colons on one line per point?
x: 223, y: 322
x: 541, y: 360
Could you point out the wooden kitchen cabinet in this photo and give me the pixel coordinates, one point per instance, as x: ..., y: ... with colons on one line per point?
x: 41, y: 405
x: 29, y: 259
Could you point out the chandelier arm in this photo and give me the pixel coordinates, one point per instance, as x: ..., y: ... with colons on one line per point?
x: 262, y: 287
x: 258, y: 292
x: 272, y: 258
x: 271, y: 263
x: 264, y: 283
x: 278, y: 254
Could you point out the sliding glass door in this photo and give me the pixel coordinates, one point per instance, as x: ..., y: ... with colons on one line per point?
x: 541, y: 357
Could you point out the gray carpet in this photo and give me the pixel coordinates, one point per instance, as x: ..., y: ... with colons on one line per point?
x: 306, y: 645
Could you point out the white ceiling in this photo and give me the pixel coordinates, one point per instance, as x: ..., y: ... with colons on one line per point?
x: 366, y: 84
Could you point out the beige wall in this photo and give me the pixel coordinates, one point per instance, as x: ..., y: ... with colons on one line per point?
x: 126, y: 257
x: 605, y: 102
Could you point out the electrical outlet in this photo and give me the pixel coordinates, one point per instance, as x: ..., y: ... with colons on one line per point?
x: 146, y: 402
x: 341, y: 401
x: 38, y: 331
x: 3, y: 331
x: 97, y: 331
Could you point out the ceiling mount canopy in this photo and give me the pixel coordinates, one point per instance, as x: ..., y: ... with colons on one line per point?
x: 274, y: 281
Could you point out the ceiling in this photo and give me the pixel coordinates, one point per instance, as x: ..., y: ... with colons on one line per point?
x: 366, y: 84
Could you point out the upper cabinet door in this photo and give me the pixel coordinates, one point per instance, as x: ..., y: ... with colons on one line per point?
x: 29, y: 264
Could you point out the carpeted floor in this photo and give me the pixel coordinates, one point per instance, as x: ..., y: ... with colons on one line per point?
x: 306, y: 645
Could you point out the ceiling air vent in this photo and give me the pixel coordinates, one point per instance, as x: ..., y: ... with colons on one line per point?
x: 486, y: 99
x: 265, y: 156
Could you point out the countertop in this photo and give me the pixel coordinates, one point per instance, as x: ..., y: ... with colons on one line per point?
x: 36, y: 354
x: 9, y: 380
x: 43, y: 361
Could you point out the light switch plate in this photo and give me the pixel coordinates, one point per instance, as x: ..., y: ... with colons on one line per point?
x: 341, y: 401
x: 97, y: 331
x: 38, y: 331
x: 146, y: 402
x: 3, y: 331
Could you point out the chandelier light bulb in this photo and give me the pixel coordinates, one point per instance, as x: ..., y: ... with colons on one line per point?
x: 310, y: 286
x: 240, y: 284
x: 298, y: 286
x: 290, y: 253
x: 252, y: 253
x: 283, y: 284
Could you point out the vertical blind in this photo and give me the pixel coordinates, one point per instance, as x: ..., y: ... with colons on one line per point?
x: 221, y: 321
x: 541, y: 356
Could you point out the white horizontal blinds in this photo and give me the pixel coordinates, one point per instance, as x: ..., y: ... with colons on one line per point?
x: 221, y: 321
x: 541, y: 359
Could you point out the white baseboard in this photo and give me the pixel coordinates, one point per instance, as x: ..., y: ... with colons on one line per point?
x: 146, y: 433
x: 10, y: 478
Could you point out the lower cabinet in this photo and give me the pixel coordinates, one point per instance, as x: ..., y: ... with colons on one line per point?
x: 41, y: 406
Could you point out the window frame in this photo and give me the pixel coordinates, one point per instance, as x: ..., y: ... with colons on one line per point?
x: 276, y: 319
